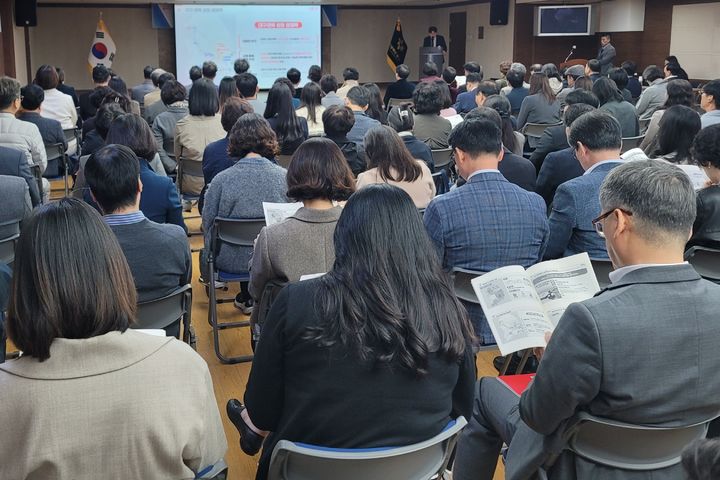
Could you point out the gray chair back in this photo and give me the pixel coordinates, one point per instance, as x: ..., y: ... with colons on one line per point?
x: 644, y: 122
x: 461, y: 278
x: 442, y: 158
x: 421, y: 461
x: 705, y: 261
x: 283, y: 160
x: 164, y: 311
x: 57, y: 164
x: 602, y: 268
x: 7, y: 244
x: 240, y: 232
x: 536, y: 129
x: 631, y: 142
x: 191, y: 168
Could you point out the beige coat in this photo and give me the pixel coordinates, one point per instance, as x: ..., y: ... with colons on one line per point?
x: 422, y: 190
x: 192, y: 134
x: 117, y: 406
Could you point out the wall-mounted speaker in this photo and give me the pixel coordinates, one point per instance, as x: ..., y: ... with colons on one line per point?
x: 26, y: 13
x: 499, y: 12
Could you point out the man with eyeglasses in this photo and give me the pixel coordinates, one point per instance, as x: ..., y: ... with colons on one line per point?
x: 710, y: 102
x: 643, y: 351
x: 596, y: 138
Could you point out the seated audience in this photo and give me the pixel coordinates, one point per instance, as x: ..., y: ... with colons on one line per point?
x: 403, y: 334
x: 402, y: 119
x: 159, y: 201
x: 295, y: 77
x: 448, y: 75
x: 633, y: 85
x: 488, y: 222
x: 584, y: 83
x: 156, y: 108
x: 376, y: 108
x: 710, y: 103
x: 468, y: 68
x: 679, y: 92
x: 138, y: 92
x: 227, y: 89
x: 238, y: 191
x: 401, y: 89
x: 673, y: 70
x: 95, y: 139
x: 315, y: 74
x: 350, y: 80
x: 430, y: 127
x: 100, y: 77
x: 195, y: 74
x: 154, y: 94
x: 678, y: 127
x: 337, y: 122
x: 654, y: 96
x: 291, y: 130
x: 390, y: 162
x: 503, y: 68
x: 311, y: 108
x: 97, y: 98
x: 158, y: 254
x: 572, y: 74
x: 247, y: 85
x: 56, y: 105
x: 466, y: 100
x: 561, y: 165
x: 173, y: 95
x: 65, y: 88
x: 655, y: 302
x: 329, y: 86
x: 619, y: 76
x: 241, y: 66
x: 596, y: 138
x: 706, y: 153
x: 118, y: 85
x: 14, y: 164
x: 592, y: 70
x: 551, y: 70
x: 611, y: 101
x: 517, y: 68
x: 429, y: 72
x: 701, y: 459
x: 32, y: 104
x: 20, y: 135
x: 541, y: 105
x: 447, y: 104
x: 515, y: 168
x: 194, y: 132
x: 680, y: 73
x: 209, y: 71
x: 357, y: 99
x: 76, y: 338
x: 517, y: 89
x: 513, y: 141
x: 318, y: 176
x: 17, y: 206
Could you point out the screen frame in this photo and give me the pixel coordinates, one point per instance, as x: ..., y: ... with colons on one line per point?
x: 538, y: 21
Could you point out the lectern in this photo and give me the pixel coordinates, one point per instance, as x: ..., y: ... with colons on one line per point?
x: 434, y: 55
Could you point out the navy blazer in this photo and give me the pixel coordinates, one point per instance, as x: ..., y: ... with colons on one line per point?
x: 159, y: 200
x: 518, y: 170
x: 553, y: 139
x: 576, y: 204
x: 558, y: 168
x: 50, y: 129
x: 419, y: 150
x: 486, y: 224
x: 14, y: 164
x: 465, y: 102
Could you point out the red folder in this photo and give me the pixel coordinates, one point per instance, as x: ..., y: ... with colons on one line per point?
x: 517, y: 383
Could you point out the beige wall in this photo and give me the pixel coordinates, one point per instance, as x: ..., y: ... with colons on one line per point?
x: 64, y: 36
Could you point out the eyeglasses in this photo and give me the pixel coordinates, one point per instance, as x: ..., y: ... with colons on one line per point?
x: 597, y: 223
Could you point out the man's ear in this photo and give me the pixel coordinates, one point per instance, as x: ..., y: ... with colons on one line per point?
x: 92, y: 195
x: 140, y: 186
x: 501, y: 155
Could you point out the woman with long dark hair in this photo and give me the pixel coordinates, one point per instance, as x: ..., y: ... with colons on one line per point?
x: 389, y: 161
x: 227, y: 89
x: 381, y: 339
x: 311, y: 108
x: 540, y: 106
x: 84, y: 374
x: 612, y: 101
x: 376, y: 107
x: 290, y: 129
x: 678, y: 127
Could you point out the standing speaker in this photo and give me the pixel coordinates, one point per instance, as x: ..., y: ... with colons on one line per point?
x: 499, y: 10
x: 26, y: 13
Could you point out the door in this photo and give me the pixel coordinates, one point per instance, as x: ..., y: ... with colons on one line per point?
x: 457, y: 34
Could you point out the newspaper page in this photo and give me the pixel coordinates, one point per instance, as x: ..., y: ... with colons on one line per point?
x: 697, y: 175
x: 277, y: 212
x: 513, y: 309
x: 559, y: 283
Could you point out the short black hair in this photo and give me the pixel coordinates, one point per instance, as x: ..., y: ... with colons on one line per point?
x: 165, y: 77
x: 359, y: 96
x: 147, y: 71
x: 594, y: 65
x: 46, y: 77
x: 596, y: 130
x: 61, y: 74
x: 432, y: 29
x: 100, y: 74
x: 9, y: 91
x: 428, y: 98
x: 328, y: 83
x: 606, y: 91
x: 477, y: 136
x: 241, y: 66
x: 430, y: 69
x: 449, y: 74
x: 195, y: 73
x: 674, y: 68
x: 319, y: 170
x: 32, y: 97
x: 652, y: 73
x: 487, y: 88
x: 515, y: 79
x: 620, y: 77
x: 203, y: 99
x: 96, y: 96
x: 473, y: 78
x: 233, y: 109
x: 172, y: 91
x: 473, y: 67
x: 294, y: 75
x: 337, y: 120
x: 118, y: 85
x: 113, y: 175
x: 582, y: 96
x: 209, y: 69
x: 246, y: 84
x: 133, y: 131
x: 713, y: 88
x: 574, y: 111
x: 706, y: 147
x: 314, y: 73
x: 606, y: 34
x: 630, y: 67
x: 351, y: 73
x: 402, y: 71
x: 104, y: 117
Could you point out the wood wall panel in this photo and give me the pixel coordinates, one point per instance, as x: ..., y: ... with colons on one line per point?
x: 7, y: 42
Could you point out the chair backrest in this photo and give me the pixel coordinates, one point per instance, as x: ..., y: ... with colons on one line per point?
x: 644, y: 122
x: 394, y: 102
x: 536, y: 129
x: 631, y: 142
x: 283, y: 160
x: 55, y: 153
x: 442, y: 183
x: 442, y: 158
x: 71, y: 134
x: 705, y: 261
x: 602, y: 268
x: 164, y: 311
x: 36, y: 170
x: 190, y: 168
x: 421, y: 461
x: 240, y: 232
x: 54, y: 150
x: 7, y: 245
x: 631, y: 447
x: 461, y: 278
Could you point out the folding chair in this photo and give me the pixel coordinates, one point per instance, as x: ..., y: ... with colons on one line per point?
x: 533, y: 132
x: 74, y: 134
x: 420, y: 461
x: 442, y: 182
x: 631, y: 142
x: 231, y: 232
x: 396, y: 102
x: 165, y: 311
x: 190, y: 168
x: 644, y: 122
x: 443, y: 158
x: 37, y: 173
x: 270, y: 293
x: 283, y: 160
x: 8, y: 244
x: 626, y: 446
x: 57, y: 164
x: 705, y: 261
x: 602, y: 268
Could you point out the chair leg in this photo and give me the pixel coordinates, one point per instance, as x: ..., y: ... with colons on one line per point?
x: 523, y: 361
x: 506, y: 364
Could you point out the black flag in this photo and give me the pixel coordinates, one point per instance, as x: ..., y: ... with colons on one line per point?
x: 397, y: 49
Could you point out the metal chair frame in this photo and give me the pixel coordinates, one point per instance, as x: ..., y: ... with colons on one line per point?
x: 56, y: 151
x: 629, y: 143
x: 164, y: 311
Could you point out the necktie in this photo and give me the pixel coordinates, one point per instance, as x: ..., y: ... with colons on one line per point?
x: 434, y: 38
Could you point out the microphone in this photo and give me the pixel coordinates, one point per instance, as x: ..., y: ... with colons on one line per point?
x: 572, y: 51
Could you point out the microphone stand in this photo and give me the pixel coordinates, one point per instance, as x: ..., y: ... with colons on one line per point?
x: 572, y: 50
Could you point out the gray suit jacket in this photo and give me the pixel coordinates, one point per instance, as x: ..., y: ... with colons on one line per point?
x: 606, y: 55
x: 642, y: 351
x: 652, y: 99
x: 16, y: 204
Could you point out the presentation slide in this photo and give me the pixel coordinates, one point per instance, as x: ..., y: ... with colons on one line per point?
x: 273, y: 38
